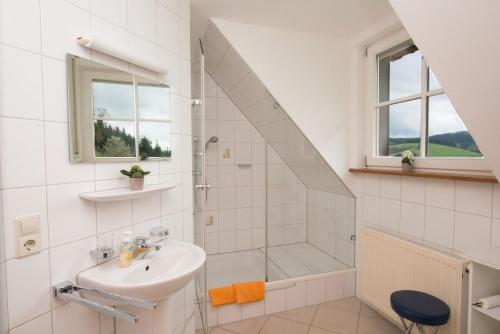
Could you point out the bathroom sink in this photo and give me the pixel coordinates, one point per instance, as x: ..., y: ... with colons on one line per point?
x: 158, y: 275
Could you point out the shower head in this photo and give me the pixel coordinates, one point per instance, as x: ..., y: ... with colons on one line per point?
x: 212, y: 140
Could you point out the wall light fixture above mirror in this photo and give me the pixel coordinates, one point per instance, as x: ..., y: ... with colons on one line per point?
x: 116, y: 116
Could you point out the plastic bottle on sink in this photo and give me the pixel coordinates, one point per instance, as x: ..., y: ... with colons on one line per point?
x: 126, y: 255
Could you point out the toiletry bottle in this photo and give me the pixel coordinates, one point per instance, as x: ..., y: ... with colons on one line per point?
x: 126, y: 255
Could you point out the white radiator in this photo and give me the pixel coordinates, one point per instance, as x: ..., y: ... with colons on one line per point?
x: 390, y: 263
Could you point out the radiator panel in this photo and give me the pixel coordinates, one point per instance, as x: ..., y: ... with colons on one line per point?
x: 391, y: 263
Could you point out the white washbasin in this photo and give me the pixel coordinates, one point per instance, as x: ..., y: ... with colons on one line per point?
x: 158, y: 275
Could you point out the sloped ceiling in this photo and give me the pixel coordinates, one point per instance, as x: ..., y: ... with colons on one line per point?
x: 339, y: 18
x: 459, y: 40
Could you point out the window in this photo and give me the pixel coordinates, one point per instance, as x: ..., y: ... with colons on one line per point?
x: 117, y: 122
x: 413, y: 112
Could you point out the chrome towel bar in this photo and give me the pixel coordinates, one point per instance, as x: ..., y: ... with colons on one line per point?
x: 72, y: 293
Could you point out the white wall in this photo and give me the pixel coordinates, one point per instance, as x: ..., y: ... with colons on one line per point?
x: 457, y: 39
x: 36, y: 176
x: 309, y: 75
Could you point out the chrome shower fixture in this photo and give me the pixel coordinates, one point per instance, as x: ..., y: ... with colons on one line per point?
x: 212, y: 140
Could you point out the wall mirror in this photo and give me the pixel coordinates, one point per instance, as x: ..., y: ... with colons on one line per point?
x: 116, y: 116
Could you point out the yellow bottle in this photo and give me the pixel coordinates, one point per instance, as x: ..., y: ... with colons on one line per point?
x: 126, y: 255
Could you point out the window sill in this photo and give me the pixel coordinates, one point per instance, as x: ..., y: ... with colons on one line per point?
x: 432, y: 175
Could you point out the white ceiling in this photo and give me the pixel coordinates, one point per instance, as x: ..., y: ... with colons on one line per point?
x: 340, y: 18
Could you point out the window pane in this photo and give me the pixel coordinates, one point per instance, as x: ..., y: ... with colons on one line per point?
x: 400, y: 74
x: 113, y: 99
x: 154, y: 140
x: 433, y: 82
x: 399, y: 128
x: 448, y: 136
x: 114, y: 139
x: 153, y: 101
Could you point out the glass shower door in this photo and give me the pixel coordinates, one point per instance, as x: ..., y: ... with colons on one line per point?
x: 199, y: 177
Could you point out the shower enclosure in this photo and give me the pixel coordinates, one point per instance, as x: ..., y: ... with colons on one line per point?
x: 267, y: 205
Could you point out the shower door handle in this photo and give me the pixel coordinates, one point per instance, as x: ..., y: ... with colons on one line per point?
x: 202, y: 186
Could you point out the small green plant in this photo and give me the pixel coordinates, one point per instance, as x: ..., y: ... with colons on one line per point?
x: 135, y: 172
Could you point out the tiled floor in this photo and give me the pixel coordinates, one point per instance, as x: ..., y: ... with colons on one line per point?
x: 343, y: 316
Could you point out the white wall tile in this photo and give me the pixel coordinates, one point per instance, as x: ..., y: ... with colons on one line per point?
x: 28, y: 287
x: 315, y: 290
x: 413, y: 189
x: 473, y: 197
x: 390, y: 186
x: 16, y: 66
x: 22, y: 160
x: 296, y: 296
x: 495, y: 233
x: 334, y: 287
x: 471, y: 232
x: 371, y: 184
x: 440, y: 193
x: 439, y: 225
x: 371, y: 209
x: 227, y: 241
x: 76, y: 319
x: 113, y: 215
x: 55, y: 104
x: 244, y: 239
x: 229, y: 313
x: 70, y: 218
x: 40, y: 325
x: 390, y: 213
x: 275, y: 301
x: 412, y: 219
x: 142, y: 18
x: 61, y: 22
x: 168, y: 29
x: 496, y: 201
x: 20, y: 24
x: 113, y: 10
x: 252, y: 310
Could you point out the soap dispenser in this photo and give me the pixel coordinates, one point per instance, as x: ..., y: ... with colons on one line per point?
x: 126, y: 255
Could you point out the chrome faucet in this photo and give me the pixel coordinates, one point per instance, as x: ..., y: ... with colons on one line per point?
x: 142, y: 247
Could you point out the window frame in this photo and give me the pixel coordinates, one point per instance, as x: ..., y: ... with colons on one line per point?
x: 372, y: 104
x: 88, y: 100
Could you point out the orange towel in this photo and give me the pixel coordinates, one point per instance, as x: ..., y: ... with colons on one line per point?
x: 222, y: 296
x: 247, y: 292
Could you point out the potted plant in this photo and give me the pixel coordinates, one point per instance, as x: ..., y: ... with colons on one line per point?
x: 406, y: 160
x: 136, y: 176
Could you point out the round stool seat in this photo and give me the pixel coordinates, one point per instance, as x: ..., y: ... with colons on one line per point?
x: 420, y: 307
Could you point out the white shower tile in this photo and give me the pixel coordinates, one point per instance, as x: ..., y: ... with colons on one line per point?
x: 243, y: 153
x: 334, y: 287
x: 225, y: 109
x: 229, y: 313
x: 226, y: 177
x: 243, y: 197
x: 227, y: 241
x: 243, y: 218
x: 226, y: 198
x: 252, y: 310
x: 315, y: 291
x: 244, y: 240
x: 296, y: 296
x: 242, y: 131
x: 275, y: 301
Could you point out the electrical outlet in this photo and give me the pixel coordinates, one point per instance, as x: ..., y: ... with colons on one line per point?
x: 210, y: 221
x: 28, y: 235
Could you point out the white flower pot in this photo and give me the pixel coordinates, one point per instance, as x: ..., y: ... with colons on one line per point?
x: 136, y: 183
x: 406, y: 167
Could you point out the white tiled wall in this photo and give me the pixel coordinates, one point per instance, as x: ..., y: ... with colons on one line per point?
x: 331, y: 219
x: 236, y: 201
x: 327, y: 287
x: 36, y: 176
x: 457, y: 215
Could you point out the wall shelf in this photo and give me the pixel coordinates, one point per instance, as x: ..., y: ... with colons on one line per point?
x: 493, y: 313
x: 125, y: 194
x: 432, y: 175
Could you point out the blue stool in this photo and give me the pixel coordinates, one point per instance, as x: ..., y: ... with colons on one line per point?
x: 421, y: 309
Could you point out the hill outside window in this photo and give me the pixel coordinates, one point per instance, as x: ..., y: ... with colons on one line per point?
x: 413, y: 112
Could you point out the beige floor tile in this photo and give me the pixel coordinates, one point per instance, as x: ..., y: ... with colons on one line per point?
x: 248, y: 326
x: 277, y: 325
x: 316, y: 330
x: 368, y: 311
x: 218, y: 330
x: 371, y: 325
x: 304, y: 314
x: 336, y: 319
x: 352, y: 304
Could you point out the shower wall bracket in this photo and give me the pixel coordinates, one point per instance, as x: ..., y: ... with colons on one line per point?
x: 74, y: 294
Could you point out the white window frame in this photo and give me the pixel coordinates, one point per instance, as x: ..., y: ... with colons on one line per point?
x: 372, y: 103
